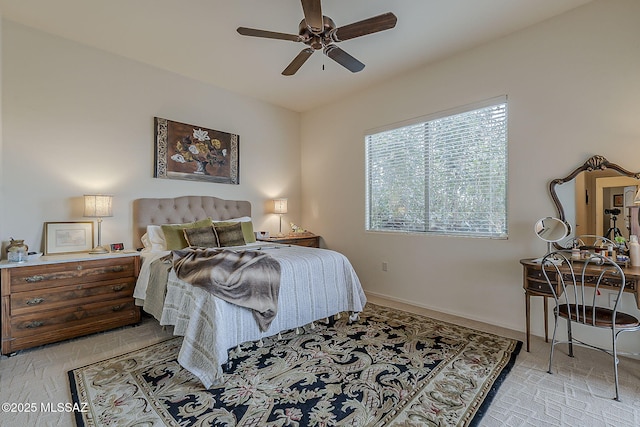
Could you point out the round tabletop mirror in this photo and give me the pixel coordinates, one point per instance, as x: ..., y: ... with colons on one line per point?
x: 551, y: 229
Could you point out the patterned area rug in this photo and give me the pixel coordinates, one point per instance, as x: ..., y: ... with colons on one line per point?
x: 390, y: 368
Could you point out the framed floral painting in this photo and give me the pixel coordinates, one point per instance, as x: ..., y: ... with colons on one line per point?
x: 195, y: 153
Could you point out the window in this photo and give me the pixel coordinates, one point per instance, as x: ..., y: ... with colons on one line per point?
x: 442, y: 174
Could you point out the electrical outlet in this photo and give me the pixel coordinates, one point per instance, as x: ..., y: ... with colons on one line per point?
x: 384, y: 266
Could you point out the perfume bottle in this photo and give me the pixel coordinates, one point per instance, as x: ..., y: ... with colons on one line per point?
x: 634, y: 251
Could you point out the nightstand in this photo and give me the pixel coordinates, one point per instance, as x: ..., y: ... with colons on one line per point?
x: 306, y: 239
x: 58, y: 297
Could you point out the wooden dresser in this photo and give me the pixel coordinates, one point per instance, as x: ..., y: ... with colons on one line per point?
x: 58, y: 297
x: 306, y: 239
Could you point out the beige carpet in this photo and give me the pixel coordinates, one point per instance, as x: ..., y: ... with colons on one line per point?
x: 579, y: 394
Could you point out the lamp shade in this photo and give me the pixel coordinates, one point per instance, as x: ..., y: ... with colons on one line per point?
x: 98, y: 206
x: 280, y: 206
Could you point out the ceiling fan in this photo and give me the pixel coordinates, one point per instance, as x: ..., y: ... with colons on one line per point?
x: 319, y: 32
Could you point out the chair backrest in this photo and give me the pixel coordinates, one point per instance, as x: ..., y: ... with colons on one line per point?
x: 577, y: 283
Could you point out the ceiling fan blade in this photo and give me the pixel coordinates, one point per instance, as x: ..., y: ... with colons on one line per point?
x: 268, y: 34
x: 343, y: 58
x: 313, y: 15
x: 297, y: 62
x: 386, y: 21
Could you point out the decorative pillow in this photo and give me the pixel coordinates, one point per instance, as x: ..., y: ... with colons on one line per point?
x: 174, y: 236
x: 247, y: 231
x: 245, y: 223
x: 229, y: 235
x: 146, y: 244
x: 155, y: 238
x: 202, y: 237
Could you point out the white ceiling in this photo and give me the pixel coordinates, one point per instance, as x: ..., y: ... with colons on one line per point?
x: 198, y: 38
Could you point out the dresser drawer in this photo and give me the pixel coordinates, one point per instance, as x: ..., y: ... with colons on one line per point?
x: 30, y: 331
x: 311, y: 242
x: 52, y: 321
x: 608, y: 281
x: 53, y: 275
x: 537, y: 275
x: 539, y: 286
x: 53, y: 298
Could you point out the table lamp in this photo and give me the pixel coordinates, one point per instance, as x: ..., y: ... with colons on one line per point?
x: 98, y: 206
x: 280, y: 207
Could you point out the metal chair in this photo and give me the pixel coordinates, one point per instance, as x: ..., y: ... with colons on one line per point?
x: 575, y: 286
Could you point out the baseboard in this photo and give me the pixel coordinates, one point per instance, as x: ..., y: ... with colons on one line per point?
x: 462, y: 317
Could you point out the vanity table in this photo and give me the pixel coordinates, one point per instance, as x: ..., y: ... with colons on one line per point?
x: 535, y: 284
x: 582, y: 202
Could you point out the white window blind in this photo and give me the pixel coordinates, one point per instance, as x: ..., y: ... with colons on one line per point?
x: 444, y: 174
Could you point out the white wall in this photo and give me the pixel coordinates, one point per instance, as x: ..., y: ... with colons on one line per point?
x: 77, y: 120
x: 573, y: 90
x: 1, y: 134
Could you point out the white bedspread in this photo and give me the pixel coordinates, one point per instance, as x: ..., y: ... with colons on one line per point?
x: 315, y: 284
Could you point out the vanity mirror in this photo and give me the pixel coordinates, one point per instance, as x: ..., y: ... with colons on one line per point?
x: 551, y: 230
x: 597, y: 198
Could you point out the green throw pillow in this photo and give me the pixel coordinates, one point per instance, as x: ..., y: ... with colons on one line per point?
x: 247, y: 229
x: 247, y: 232
x: 203, y: 237
x: 174, y: 234
x: 229, y: 235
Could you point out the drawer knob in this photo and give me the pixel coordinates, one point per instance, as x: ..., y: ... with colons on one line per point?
x: 117, y: 288
x: 34, y: 324
x: 117, y: 269
x: 35, y: 301
x: 79, y: 267
x: 34, y: 279
x: 117, y: 307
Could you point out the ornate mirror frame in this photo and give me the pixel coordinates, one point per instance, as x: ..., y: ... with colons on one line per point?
x: 594, y: 163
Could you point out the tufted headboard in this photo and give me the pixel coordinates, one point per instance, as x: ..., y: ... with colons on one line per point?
x: 183, y: 209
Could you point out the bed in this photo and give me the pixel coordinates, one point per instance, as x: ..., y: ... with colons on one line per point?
x: 314, y: 284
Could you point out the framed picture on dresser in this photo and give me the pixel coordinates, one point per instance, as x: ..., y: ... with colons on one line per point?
x: 68, y: 237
